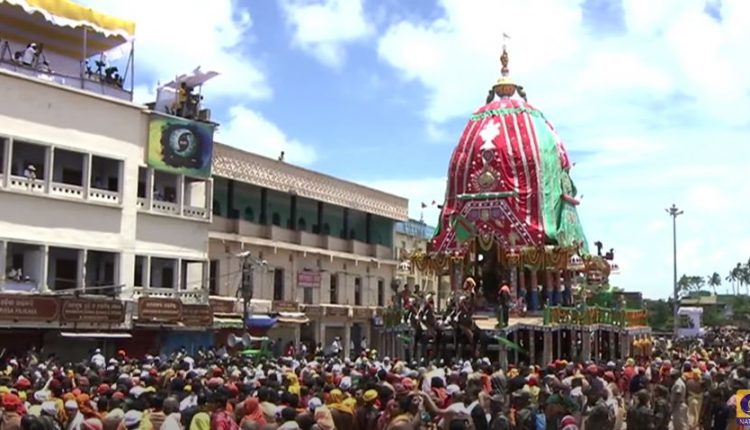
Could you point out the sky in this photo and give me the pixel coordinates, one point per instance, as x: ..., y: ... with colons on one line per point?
x: 652, y: 99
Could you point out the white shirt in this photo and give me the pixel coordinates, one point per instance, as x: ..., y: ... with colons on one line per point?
x: 99, y: 361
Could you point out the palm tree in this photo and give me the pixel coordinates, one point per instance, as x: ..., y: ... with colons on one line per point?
x: 684, y: 285
x: 732, y: 279
x: 713, y: 280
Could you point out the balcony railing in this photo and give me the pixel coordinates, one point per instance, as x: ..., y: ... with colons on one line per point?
x: 304, y: 238
x: 595, y: 315
x: 61, y: 190
x: 187, y: 296
x: 69, y: 80
x: 21, y: 183
x: 66, y: 190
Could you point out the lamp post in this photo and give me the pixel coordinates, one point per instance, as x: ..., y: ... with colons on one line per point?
x: 674, y: 212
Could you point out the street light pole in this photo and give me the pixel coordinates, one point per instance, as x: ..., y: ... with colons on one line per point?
x: 674, y: 212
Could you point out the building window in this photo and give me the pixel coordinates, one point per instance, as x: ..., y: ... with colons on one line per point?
x: 213, y: 277
x: 334, y: 284
x: 278, y: 284
x: 307, y: 296
x: 358, y: 291
x: 381, y: 292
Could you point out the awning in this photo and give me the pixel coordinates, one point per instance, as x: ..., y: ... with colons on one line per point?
x: 96, y: 335
x: 261, y: 321
x: 59, y: 24
x: 228, y: 322
x: 293, y: 318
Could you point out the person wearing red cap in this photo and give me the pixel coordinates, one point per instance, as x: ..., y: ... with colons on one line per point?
x: 11, y: 418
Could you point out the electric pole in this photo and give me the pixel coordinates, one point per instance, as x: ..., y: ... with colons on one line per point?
x: 247, y: 287
x: 674, y: 212
x: 247, y: 284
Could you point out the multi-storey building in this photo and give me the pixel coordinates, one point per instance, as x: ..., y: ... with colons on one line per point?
x: 412, y: 237
x: 88, y: 207
x: 327, y: 245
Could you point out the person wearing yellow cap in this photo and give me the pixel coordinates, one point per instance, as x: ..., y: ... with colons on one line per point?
x: 367, y: 415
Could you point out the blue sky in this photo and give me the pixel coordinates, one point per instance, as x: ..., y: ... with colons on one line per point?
x: 651, y: 98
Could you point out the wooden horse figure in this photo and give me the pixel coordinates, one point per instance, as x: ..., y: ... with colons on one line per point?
x: 429, y: 326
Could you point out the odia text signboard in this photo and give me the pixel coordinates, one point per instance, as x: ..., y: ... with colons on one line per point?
x: 222, y: 306
x: 16, y: 307
x: 159, y: 310
x: 308, y: 279
x: 197, y: 315
x: 92, y: 311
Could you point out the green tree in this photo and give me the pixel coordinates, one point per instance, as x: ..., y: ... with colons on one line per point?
x: 660, y: 316
x: 713, y: 280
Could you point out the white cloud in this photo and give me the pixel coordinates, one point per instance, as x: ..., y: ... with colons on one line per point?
x: 176, y: 37
x: 660, y: 108
x: 251, y: 131
x: 418, y: 191
x: 324, y: 29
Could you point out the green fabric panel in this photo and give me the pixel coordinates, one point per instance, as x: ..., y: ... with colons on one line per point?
x: 551, y: 174
x: 560, y: 218
x: 505, y: 111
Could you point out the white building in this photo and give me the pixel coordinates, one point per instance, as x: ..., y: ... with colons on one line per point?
x: 327, y: 243
x: 82, y: 211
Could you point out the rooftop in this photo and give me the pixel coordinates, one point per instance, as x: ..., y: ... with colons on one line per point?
x: 243, y: 166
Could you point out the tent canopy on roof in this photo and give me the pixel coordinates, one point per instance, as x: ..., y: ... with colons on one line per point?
x: 60, y: 24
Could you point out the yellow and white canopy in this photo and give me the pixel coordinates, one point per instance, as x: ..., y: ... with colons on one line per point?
x: 62, y: 26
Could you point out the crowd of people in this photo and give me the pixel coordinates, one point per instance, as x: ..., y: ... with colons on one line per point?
x: 686, y: 386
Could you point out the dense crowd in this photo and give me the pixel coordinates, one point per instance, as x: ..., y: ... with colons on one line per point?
x: 686, y: 386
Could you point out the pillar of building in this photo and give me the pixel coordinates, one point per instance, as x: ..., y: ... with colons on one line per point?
x: 612, y: 348
x: 322, y: 334
x: 49, y: 161
x: 586, y: 345
x: 558, y: 340
x: 547, y: 353
x: 180, y: 197
x: 44, y: 264
x: 532, y: 293
x: 86, y: 174
x: 522, y: 288
x: 347, y: 339
x: 177, y: 283
x: 146, y: 272
x: 149, y: 189
x: 597, y: 345
x: 532, y: 346
x: 513, y: 282
x: 7, y: 161
x: 81, y: 270
x: 3, y: 259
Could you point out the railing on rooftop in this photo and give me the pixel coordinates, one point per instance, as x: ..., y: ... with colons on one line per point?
x: 68, y: 80
x: 595, y: 315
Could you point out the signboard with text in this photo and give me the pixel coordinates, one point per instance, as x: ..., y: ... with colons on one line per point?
x: 308, y: 279
x: 285, y: 306
x: 197, y: 315
x: 92, y: 311
x: 17, y: 307
x: 222, y: 306
x: 313, y: 310
x: 337, y: 311
x: 159, y: 310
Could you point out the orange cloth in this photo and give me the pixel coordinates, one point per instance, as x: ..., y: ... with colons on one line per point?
x: 253, y: 413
